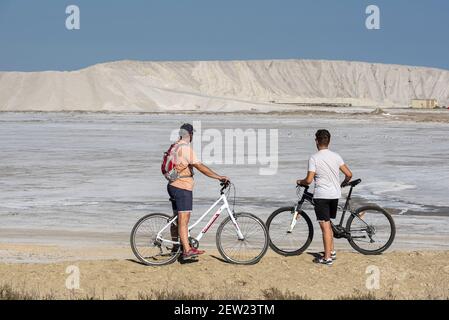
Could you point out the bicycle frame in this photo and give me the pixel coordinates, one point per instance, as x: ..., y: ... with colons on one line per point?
x: 339, y: 228
x: 224, y: 207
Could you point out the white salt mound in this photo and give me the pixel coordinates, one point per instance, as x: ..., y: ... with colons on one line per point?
x: 220, y: 86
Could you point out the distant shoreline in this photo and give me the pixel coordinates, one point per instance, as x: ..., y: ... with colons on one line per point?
x: 388, y: 114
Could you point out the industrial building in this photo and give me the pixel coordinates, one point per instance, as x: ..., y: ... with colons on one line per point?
x: 424, y: 103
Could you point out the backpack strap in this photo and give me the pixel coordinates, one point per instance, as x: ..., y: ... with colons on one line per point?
x: 177, y: 145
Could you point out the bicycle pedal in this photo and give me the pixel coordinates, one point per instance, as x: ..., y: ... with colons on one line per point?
x: 190, y: 257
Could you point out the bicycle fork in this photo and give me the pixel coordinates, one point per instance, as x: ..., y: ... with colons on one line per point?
x: 237, y: 228
x: 294, y: 219
x: 233, y: 219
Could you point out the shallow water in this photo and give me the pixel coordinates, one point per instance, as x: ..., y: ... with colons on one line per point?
x: 100, y: 172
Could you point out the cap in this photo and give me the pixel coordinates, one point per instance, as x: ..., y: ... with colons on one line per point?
x: 187, y: 127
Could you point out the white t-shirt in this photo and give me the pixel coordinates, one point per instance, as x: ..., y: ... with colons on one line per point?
x: 326, y: 165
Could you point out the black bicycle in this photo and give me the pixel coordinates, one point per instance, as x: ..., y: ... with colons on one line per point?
x: 369, y: 230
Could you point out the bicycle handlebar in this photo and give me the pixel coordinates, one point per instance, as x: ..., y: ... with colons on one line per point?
x: 224, y: 185
x: 303, y: 186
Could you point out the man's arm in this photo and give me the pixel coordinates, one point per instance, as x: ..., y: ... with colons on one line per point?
x: 308, y: 180
x: 208, y: 172
x: 348, y: 174
x: 310, y: 174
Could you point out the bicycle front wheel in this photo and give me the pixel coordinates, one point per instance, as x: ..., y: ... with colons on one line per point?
x: 289, y: 237
x: 372, y: 230
x: 145, y: 245
x: 248, y: 250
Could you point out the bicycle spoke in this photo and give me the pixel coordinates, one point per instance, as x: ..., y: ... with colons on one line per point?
x: 144, y: 240
x: 284, y: 240
x: 247, y: 249
x: 371, y: 230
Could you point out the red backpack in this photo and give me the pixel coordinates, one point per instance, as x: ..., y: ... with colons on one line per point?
x: 168, y: 166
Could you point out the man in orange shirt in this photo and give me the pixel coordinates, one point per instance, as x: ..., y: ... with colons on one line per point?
x: 180, y: 190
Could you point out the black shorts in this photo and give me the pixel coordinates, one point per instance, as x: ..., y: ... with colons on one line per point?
x: 181, y: 200
x: 326, y: 209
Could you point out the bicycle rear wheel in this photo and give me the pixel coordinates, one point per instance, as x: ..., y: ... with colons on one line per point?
x: 372, y: 230
x: 147, y: 248
x: 285, y: 239
x: 242, y: 251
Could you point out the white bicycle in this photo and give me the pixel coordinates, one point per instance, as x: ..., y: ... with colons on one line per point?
x: 242, y: 238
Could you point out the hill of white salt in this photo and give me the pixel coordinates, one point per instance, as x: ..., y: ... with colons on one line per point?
x: 220, y: 86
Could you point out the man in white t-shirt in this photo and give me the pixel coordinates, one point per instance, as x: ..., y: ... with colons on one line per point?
x: 324, y: 169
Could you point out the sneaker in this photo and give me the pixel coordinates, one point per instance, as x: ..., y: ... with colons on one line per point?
x: 327, y: 262
x: 333, y: 255
x: 192, y: 253
x: 197, y: 251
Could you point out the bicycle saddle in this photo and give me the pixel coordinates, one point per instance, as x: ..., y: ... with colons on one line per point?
x: 355, y: 182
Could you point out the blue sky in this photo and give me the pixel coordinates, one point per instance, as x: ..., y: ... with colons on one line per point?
x: 33, y: 34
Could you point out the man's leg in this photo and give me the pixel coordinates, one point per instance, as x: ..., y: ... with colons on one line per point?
x: 183, y: 229
x: 333, y: 215
x: 174, y: 233
x: 174, y: 226
x: 332, y: 239
x: 328, y: 238
x: 322, y: 211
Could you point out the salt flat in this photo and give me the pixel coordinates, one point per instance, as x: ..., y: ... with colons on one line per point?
x: 85, y: 178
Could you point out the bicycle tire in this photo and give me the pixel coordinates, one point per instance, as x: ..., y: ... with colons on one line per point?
x: 301, y: 249
x: 387, y: 244
x: 229, y: 259
x: 134, y: 245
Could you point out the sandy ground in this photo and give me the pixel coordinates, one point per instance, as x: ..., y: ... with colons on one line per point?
x: 402, y: 275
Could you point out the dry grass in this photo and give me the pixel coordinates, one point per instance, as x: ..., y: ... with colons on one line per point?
x: 180, y: 295
x: 8, y: 293
x: 357, y: 295
x: 276, y: 294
